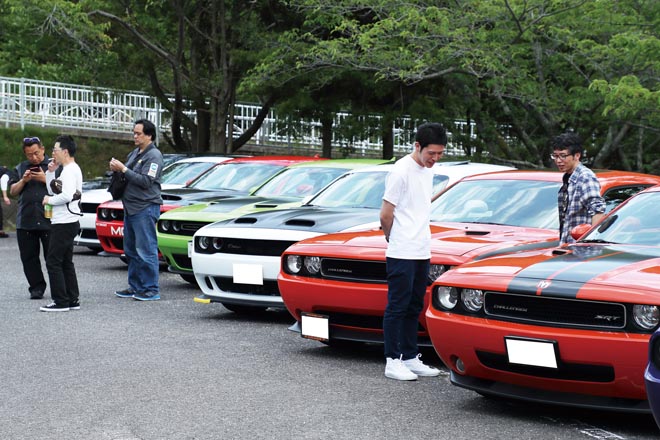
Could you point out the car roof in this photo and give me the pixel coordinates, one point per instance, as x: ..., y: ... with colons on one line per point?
x: 206, y: 159
x: 341, y: 163
x: 453, y: 170
x: 277, y: 160
x: 606, y: 178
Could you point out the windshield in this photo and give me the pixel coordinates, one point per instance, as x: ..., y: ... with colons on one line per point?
x: 299, y: 182
x: 179, y: 173
x: 636, y: 222
x: 362, y: 190
x: 522, y: 203
x: 236, y: 176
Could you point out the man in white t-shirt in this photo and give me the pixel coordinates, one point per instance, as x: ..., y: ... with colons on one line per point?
x: 65, y: 226
x: 405, y: 218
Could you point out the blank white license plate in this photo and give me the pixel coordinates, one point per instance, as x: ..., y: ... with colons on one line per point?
x: 315, y: 326
x: 528, y: 352
x: 248, y: 274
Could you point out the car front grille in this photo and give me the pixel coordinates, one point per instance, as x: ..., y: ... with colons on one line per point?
x: 189, y: 228
x: 565, y: 371
x: 360, y: 271
x: 182, y: 261
x: 367, y: 322
x: 89, y: 208
x: 240, y: 246
x: 555, y: 311
x: 88, y: 233
x: 227, y: 285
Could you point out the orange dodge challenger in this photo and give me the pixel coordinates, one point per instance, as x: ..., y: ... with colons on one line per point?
x: 568, y: 325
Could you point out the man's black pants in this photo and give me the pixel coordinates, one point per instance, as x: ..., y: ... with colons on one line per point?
x: 29, y: 242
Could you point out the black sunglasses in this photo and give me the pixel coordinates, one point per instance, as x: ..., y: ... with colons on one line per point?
x: 31, y: 140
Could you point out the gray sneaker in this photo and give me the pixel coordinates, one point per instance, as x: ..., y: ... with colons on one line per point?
x: 395, y: 369
x: 417, y: 366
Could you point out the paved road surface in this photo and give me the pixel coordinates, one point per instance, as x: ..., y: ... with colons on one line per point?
x: 120, y: 369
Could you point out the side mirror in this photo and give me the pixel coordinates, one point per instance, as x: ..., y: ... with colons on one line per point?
x: 580, y: 230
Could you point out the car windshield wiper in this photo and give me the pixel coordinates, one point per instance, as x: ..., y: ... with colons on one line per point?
x: 597, y: 240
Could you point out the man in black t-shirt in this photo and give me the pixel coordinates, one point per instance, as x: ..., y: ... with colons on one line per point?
x: 28, y: 182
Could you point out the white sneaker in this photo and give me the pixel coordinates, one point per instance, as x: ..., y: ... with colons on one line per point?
x: 417, y: 366
x: 395, y: 369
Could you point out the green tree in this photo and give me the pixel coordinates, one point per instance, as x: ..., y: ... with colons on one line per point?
x: 522, y: 70
x: 192, y: 54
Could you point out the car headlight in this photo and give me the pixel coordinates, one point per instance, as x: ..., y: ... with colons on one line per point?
x: 313, y: 265
x: 473, y: 299
x: 217, y: 244
x: 446, y: 297
x: 203, y: 243
x: 103, y: 213
x: 435, y: 271
x: 646, y: 317
x: 176, y: 226
x: 294, y: 263
x: 114, y: 214
x: 164, y: 225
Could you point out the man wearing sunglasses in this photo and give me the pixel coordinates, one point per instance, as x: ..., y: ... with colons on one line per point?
x: 579, y: 197
x: 28, y: 183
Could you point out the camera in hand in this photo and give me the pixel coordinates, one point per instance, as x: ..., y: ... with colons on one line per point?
x: 56, y: 187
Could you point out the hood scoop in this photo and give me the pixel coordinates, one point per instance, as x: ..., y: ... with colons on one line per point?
x: 301, y: 222
x: 469, y: 232
x: 266, y: 205
x: 559, y: 252
x: 170, y: 197
x: 245, y: 220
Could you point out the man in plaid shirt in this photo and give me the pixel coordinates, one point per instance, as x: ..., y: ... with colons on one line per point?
x: 579, y: 198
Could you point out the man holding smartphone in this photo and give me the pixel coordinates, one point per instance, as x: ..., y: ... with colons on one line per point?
x: 28, y: 182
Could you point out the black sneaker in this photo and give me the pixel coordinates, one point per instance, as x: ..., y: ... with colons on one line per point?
x: 36, y: 295
x: 52, y: 307
x: 126, y: 293
x: 74, y: 305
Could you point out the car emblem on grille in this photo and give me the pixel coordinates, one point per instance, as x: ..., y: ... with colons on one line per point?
x: 543, y: 284
x: 335, y: 269
x: 608, y: 318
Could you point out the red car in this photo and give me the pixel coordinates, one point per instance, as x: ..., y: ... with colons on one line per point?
x: 568, y: 325
x: 341, y: 279
x: 230, y: 178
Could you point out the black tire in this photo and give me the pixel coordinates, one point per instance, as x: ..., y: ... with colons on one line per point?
x: 189, y: 278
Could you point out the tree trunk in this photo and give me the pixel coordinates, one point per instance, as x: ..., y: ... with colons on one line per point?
x: 387, y: 134
x: 327, y: 122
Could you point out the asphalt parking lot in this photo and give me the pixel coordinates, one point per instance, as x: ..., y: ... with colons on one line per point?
x: 120, y: 369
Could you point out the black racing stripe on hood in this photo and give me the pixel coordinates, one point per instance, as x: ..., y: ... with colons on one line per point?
x: 564, y: 275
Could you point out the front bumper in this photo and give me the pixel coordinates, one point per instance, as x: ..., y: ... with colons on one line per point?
x: 605, y: 366
x: 216, y: 275
x: 355, y: 310
x: 492, y: 388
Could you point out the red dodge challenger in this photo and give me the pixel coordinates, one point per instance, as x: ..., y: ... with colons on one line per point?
x: 335, y: 285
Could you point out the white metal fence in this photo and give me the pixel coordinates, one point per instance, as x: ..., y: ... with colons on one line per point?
x: 50, y: 104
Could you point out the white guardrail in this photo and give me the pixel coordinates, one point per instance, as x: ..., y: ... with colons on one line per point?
x: 51, y: 104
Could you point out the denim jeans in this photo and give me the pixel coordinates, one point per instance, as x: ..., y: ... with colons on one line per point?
x: 59, y: 262
x: 406, y: 287
x: 141, y: 250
